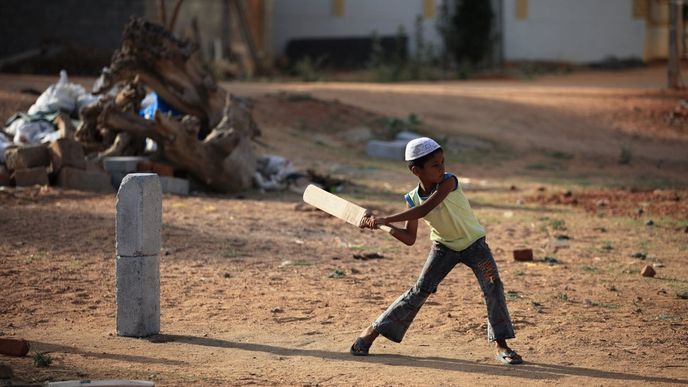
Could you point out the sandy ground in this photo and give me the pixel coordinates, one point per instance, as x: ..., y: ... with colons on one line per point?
x: 248, y: 295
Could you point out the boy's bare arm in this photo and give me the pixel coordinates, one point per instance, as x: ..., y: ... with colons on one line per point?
x: 418, y: 212
x: 406, y: 235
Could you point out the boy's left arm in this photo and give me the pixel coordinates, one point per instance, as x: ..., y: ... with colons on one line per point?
x: 406, y: 234
x: 418, y: 212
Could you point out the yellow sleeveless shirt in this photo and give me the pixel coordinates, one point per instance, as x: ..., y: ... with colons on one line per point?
x: 452, y: 222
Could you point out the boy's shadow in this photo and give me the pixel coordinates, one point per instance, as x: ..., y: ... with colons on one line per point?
x: 527, y: 370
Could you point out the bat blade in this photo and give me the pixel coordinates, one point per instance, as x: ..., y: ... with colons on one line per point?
x: 336, y: 206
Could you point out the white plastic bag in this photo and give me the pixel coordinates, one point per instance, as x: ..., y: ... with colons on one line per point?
x: 4, y: 144
x: 272, y: 171
x: 62, y: 97
x: 32, y: 132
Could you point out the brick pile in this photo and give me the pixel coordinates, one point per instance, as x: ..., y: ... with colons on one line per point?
x: 61, y: 163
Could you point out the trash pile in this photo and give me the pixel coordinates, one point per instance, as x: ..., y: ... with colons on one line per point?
x: 155, y: 108
x: 38, y: 147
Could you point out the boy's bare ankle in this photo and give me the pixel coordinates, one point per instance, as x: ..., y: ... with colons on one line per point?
x: 501, y: 345
x: 369, y: 335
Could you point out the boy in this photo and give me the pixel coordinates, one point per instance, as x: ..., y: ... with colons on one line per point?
x: 457, y: 237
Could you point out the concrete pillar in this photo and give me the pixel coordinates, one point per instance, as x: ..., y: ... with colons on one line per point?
x: 138, y: 225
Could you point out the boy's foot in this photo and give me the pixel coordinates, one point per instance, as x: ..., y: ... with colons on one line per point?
x: 508, y: 356
x: 505, y: 354
x: 360, y: 347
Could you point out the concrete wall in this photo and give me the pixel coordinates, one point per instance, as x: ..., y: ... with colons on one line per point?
x: 575, y: 31
x: 95, y: 26
x: 315, y: 18
x: 91, y: 24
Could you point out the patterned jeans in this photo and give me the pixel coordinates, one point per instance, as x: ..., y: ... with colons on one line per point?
x: 394, y: 322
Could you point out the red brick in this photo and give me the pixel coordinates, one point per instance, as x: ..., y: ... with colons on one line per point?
x: 523, y: 255
x: 30, y: 176
x: 27, y: 157
x: 92, y: 180
x: 14, y: 347
x: 66, y: 153
x: 4, y: 176
x: 155, y: 167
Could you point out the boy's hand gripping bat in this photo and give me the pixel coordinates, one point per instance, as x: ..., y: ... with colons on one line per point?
x: 336, y: 206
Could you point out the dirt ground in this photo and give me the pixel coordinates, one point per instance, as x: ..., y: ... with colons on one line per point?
x: 587, y: 169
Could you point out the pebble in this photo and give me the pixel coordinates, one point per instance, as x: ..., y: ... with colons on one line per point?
x: 658, y: 264
x: 648, y: 271
x: 649, y: 222
x: 227, y: 275
x: 277, y: 310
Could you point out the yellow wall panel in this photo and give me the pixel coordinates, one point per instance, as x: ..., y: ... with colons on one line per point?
x: 521, y: 9
x: 338, y: 8
x: 640, y: 9
x: 428, y: 9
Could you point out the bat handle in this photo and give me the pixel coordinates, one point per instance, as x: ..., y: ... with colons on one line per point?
x: 385, y: 228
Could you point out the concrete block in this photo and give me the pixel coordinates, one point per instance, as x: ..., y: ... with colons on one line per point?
x: 393, y: 150
x: 93, y: 181
x: 66, y: 153
x: 407, y: 136
x: 116, y: 178
x: 138, y: 295
x: 154, y: 167
x: 174, y: 185
x: 27, y: 157
x: 30, y: 176
x: 126, y: 164
x: 356, y: 136
x: 120, y: 166
x: 139, y: 215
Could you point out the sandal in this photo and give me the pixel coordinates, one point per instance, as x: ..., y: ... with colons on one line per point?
x: 509, y: 357
x: 359, y: 348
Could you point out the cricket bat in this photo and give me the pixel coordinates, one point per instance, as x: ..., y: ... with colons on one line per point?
x: 336, y: 206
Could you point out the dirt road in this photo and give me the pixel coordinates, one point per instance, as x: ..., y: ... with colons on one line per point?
x: 258, y: 291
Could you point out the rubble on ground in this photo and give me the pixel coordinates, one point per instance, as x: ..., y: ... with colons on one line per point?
x: 155, y: 108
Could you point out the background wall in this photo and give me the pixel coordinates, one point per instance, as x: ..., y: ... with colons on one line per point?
x: 90, y: 24
x: 294, y: 19
x: 575, y: 31
x: 92, y: 29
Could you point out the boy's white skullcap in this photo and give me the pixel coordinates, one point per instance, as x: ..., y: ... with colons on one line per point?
x: 420, y: 147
